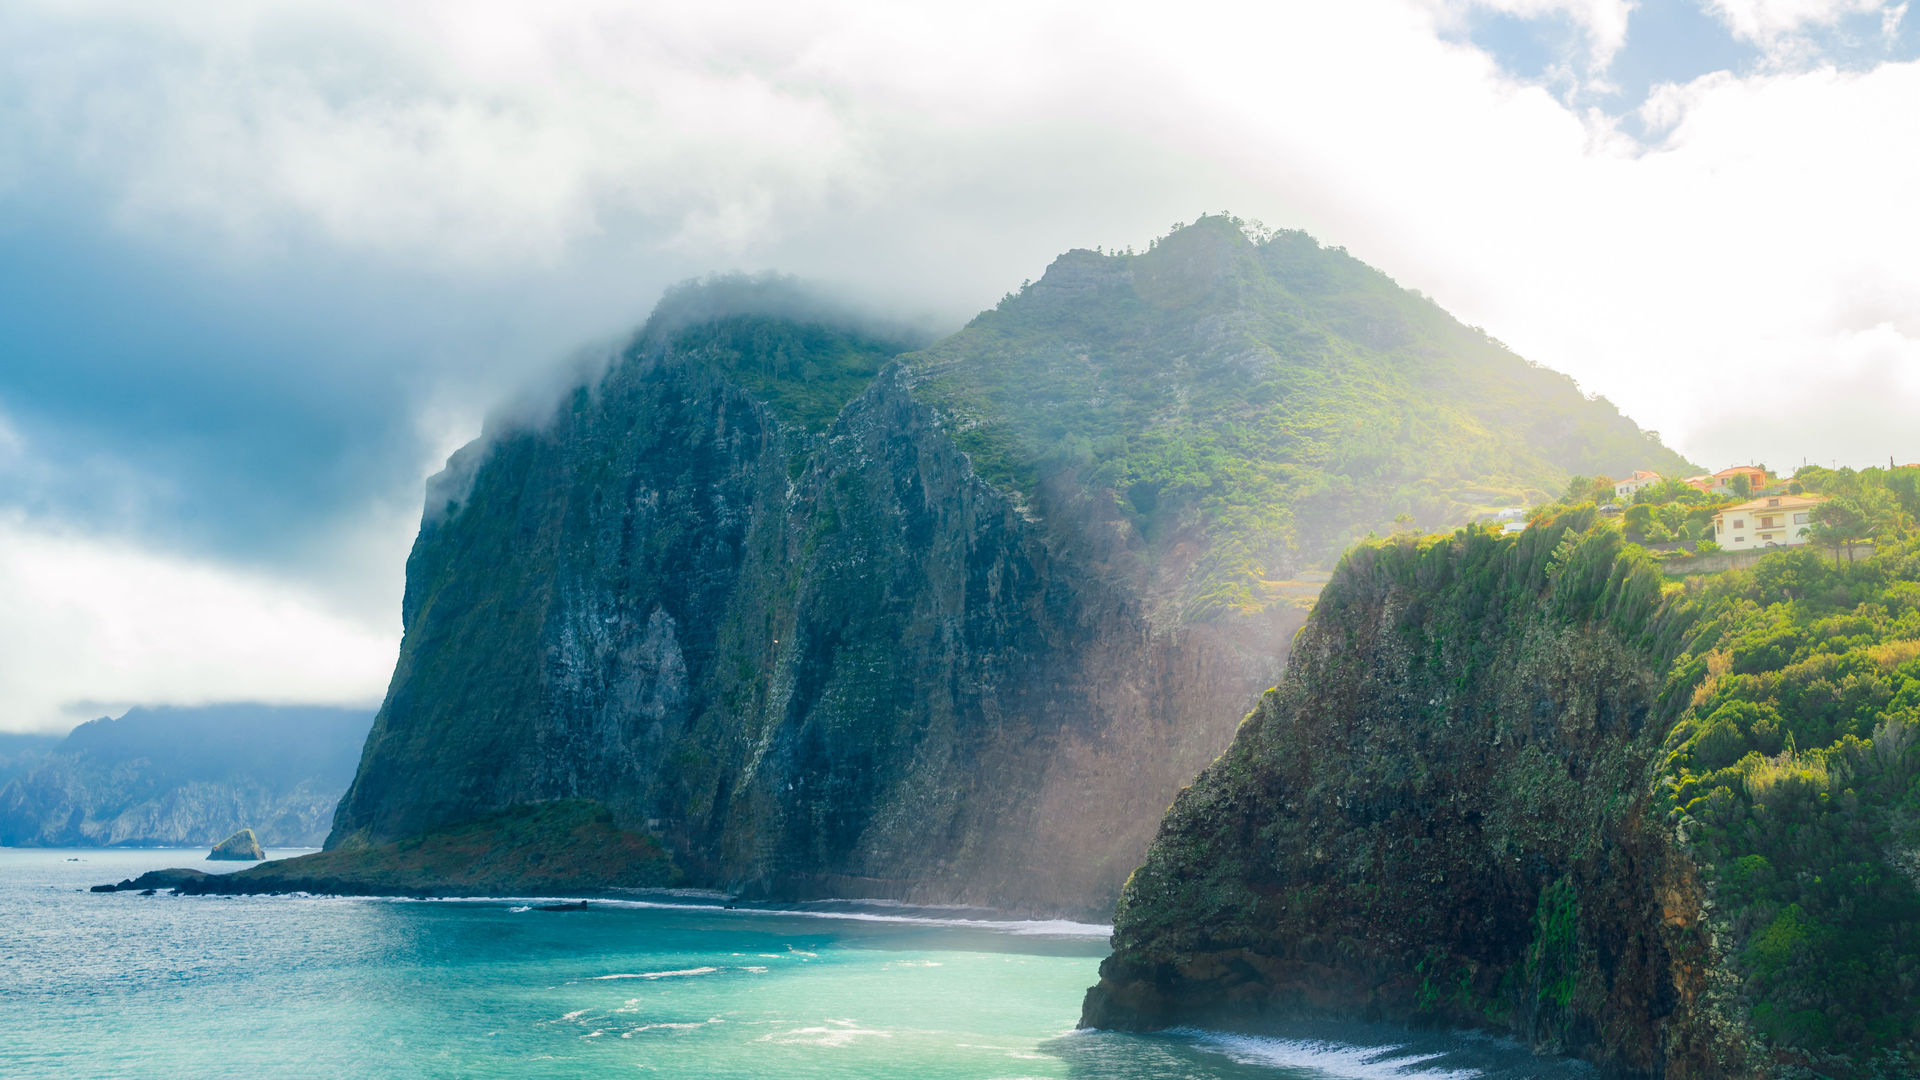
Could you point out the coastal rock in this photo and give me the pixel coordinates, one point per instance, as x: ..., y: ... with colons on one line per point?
x: 563, y: 847
x: 240, y: 847
x: 182, y: 878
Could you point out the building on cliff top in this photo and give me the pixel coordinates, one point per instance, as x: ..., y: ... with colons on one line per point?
x: 1770, y: 521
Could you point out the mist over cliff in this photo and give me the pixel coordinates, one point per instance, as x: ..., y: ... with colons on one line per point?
x: 828, y: 613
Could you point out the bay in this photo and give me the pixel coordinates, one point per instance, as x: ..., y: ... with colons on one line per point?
x: 122, y: 985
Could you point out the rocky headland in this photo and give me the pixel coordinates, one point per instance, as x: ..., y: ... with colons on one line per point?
x: 827, y: 612
x: 1527, y: 784
x: 567, y: 847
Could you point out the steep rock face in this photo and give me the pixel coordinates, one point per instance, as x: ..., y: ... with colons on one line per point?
x: 1443, y: 816
x: 829, y: 616
x: 811, y: 663
x: 187, y: 777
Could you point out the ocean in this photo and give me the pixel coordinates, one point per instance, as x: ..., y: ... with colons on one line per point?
x: 122, y: 985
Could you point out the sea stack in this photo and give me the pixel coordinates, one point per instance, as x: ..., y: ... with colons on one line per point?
x: 240, y: 847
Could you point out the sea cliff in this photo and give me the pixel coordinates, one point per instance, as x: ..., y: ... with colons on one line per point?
x: 827, y: 612
x: 1527, y: 784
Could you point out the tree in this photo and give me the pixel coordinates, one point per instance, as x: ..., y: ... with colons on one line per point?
x: 1742, y: 485
x: 1905, y: 485
x: 1597, y: 489
x: 1846, y: 520
x: 1638, y: 517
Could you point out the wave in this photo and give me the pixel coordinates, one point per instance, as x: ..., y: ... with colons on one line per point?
x: 659, y: 974
x: 1392, y: 1062
x: 631, y: 1032
x: 1059, y: 928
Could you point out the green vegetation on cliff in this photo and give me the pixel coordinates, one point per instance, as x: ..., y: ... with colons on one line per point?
x: 1527, y: 783
x: 805, y: 371
x: 1266, y: 396
x: 1793, y: 773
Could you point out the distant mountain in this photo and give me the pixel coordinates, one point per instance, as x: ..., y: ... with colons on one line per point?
x: 188, y: 776
x: 19, y: 753
x: 831, y: 615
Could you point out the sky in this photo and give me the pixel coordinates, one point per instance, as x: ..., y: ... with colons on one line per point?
x: 262, y: 267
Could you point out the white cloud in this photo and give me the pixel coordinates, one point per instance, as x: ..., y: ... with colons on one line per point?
x: 1603, y: 22
x: 82, y: 620
x: 1760, y: 20
x: 1779, y: 26
x: 1741, y: 284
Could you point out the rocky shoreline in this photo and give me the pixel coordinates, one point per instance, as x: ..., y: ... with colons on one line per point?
x: 567, y: 847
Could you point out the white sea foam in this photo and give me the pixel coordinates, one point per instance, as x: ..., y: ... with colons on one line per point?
x: 841, y: 1033
x: 659, y: 974
x: 1328, y: 1059
x: 631, y: 1032
x: 1020, y: 927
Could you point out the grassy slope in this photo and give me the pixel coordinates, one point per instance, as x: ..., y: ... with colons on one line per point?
x: 1277, y: 397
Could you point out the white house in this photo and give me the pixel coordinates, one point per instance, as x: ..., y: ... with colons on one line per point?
x: 1769, y: 521
x: 1641, y: 478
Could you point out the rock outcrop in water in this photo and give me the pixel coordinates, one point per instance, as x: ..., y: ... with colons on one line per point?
x: 564, y: 847
x: 1524, y: 784
x: 240, y: 847
x: 186, y: 777
x: 830, y: 617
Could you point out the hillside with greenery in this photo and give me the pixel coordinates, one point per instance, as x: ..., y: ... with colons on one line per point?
x: 802, y: 353
x: 1254, y: 402
x: 1673, y: 518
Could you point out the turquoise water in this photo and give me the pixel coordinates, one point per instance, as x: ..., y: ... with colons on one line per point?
x: 120, y: 985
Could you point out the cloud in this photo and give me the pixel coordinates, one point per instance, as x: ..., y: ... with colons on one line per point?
x: 1773, y: 22
x: 84, y: 623
x: 1603, y: 23
x: 270, y: 265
